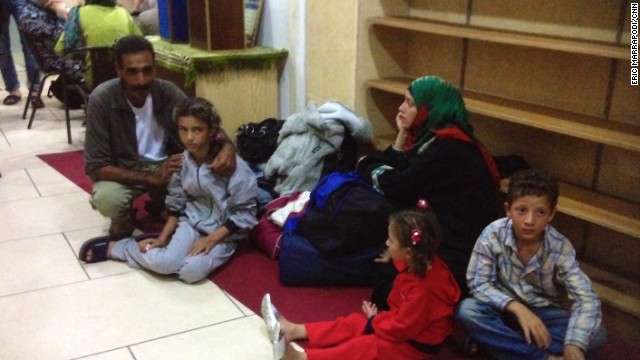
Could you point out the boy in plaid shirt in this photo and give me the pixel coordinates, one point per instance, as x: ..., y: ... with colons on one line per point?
x: 514, y: 311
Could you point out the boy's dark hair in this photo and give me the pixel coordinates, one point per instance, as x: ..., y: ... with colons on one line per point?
x: 533, y: 182
x: 404, y: 223
x: 132, y: 44
x: 199, y: 108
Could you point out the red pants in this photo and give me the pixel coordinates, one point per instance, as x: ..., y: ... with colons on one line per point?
x: 344, y: 339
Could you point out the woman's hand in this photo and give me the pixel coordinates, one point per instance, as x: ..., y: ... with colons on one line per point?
x: 401, y: 139
x: 369, y: 309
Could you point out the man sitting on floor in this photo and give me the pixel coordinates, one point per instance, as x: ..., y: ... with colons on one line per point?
x: 132, y: 143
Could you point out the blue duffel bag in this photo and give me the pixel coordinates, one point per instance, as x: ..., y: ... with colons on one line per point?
x: 301, y: 263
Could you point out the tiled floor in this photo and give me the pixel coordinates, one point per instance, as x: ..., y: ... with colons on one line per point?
x: 54, y: 307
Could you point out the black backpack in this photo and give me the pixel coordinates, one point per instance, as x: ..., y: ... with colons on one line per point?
x: 352, y: 218
x: 256, y: 142
x: 75, y: 99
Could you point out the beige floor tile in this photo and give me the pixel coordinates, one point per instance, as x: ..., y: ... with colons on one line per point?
x: 49, y: 182
x: 17, y: 185
x: 37, y: 263
x: 47, y: 215
x: 96, y: 316
x: 20, y: 158
x: 54, y: 307
x: 98, y: 270
x: 120, y: 354
x: 240, y: 339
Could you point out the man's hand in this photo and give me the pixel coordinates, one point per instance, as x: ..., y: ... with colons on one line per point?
x: 225, y: 162
x: 172, y: 164
x: 533, y: 328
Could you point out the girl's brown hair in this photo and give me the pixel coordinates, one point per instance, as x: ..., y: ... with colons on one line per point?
x: 204, y: 110
x: 419, y: 231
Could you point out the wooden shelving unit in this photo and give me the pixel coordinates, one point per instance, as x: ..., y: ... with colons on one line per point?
x: 532, y: 116
x: 505, y: 37
x: 595, y: 207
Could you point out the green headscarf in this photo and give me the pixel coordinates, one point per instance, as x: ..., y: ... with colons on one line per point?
x: 443, y: 107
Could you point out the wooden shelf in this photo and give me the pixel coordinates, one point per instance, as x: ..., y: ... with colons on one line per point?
x: 609, y: 133
x: 608, y: 212
x: 613, y: 290
x: 600, y: 49
x: 468, y: 56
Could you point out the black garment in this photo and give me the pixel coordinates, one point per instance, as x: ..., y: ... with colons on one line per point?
x: 452, y: 176
x: 42, y: 28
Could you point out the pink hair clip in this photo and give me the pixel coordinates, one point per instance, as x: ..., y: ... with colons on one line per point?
x: 416, y: 236
x: 422, y: 204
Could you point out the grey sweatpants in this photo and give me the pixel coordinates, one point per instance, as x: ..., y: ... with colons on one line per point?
x: 174, y: 258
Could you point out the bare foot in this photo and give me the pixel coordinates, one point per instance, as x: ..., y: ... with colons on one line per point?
x: 292, y: 331
x: 294, y: 352
x: 90, y: 252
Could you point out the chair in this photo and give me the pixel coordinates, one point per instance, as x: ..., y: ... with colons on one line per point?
x: 102, y: 63
x: 102, y: 69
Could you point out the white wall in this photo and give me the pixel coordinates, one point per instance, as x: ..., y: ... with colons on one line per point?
x: 283, y: 26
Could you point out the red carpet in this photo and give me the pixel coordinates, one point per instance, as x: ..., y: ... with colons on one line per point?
x: 250, y: 274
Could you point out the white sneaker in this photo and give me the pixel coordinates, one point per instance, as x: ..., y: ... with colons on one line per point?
x: 270, y: 316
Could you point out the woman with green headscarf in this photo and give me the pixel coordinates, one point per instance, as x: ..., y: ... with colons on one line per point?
x: 96, y: 23
x: 437, y: 161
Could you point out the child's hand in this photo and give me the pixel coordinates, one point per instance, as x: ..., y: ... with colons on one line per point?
x: 384, y: 257
x: 150, y: 243
x: 534, y: 329
x: 201, y: 247
x: 572, y: 352
x: 369, y: 309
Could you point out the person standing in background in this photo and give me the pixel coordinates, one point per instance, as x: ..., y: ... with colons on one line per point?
x: 145, y: 13
x: 14, y: 8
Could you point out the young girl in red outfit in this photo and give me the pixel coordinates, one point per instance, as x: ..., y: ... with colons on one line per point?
x: 421, y: 305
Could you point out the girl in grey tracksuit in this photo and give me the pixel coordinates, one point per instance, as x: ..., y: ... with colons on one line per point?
x: 207, y: 213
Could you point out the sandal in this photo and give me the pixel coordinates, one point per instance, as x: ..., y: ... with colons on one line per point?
x: 99, y: 247
x: 12, y: 99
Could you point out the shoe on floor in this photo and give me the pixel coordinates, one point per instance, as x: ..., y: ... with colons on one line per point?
x: 99, y: 247
x: 11, y: 99
x: 270, y: 315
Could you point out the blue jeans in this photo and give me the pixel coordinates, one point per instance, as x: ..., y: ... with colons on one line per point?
x: 503, y: 338
x: 7, y: 67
